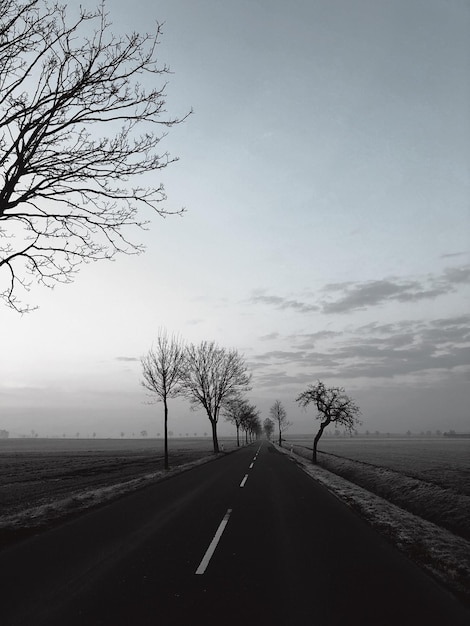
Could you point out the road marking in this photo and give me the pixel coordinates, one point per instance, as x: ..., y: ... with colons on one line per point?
x: 213, y: 544
x: 242, y: 484
x: 251, y: 466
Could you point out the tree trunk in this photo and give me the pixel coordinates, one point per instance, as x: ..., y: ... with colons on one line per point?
x: 165, y: 427
x: 238, y: 436
x: 214, y: 435
x: 315, y: 443
x: 280, y: 437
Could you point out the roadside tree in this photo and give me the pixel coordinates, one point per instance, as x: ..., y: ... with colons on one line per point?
x: 268, y: 427
x: 257, y: 429
x: 253, y: 425
x: 162, y: 371
x: 242, y: 415
x: 233, y: 411
x: 333, y: 406
x: 78, y: 133
x: 212, y: 377
x: 250, y: 422
x: 279, y: 416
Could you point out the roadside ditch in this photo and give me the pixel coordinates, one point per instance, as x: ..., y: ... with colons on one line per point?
x: 442, y: 553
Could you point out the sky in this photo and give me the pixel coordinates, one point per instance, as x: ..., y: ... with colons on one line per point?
x: 325, y: 175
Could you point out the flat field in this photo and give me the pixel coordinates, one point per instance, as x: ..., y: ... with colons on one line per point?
x: 427, y: 477
x: 34, y: 472
x: 439, y: 460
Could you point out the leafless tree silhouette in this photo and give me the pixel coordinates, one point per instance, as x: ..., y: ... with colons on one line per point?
x: 78, y: 131
x: 268, y: 427
x: 279, y: 415
x: 162, y: 370
x: 334, y: 406
x: 250, y: 422
x: 239, y: 412
x: 212, y: 376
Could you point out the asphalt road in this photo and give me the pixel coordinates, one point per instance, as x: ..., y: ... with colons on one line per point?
x: 248, y: 538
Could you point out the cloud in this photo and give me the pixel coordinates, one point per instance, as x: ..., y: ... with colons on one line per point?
x: 358, y: 296
x: 281, y: 378
x: 349, y: 296
x: 127, y: 359
x: 269, y: 337
x: 452, y: 255
x: 373, y: 293
x: 309, y: 340
x: 373, y: 351
x: 284, y: 303
x: 456, y: 275
x: 404, y: 348
x: 302, y: 358
x: 281, y: 355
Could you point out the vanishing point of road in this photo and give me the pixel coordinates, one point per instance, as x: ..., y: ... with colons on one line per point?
x: 246, y: 539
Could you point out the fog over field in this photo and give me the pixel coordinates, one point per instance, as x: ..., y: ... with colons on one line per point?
x: 326, y: 178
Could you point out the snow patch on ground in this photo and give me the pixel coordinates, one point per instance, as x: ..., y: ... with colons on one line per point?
x: 445, y: 555
x: 44, y: 514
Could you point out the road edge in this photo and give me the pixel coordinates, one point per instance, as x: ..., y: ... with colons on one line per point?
x: 439, y: 552
x: 42, y: 517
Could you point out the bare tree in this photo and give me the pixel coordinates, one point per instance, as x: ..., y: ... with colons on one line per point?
x: 242, y: 415
x: 233, y: 412
x: 256, y: 428
x: 333, y: 406
x: 250, y: 422
x: 78, y: 130
x: 268, y: 427
x: 279, y: 415
x: 212, y: 377
x: 162, y: 370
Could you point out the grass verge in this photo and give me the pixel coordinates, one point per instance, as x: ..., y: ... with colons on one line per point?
x: 442, y: 506
x: 443, y: 554
x: 28, y: 521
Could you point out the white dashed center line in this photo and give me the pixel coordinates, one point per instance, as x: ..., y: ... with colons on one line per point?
x: 213, y: 544
x: 242, y: 484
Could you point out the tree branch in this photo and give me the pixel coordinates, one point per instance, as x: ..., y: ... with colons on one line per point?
x: 77, y: 133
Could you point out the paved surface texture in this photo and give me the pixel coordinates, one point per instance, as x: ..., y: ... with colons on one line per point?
x: 248, y: 538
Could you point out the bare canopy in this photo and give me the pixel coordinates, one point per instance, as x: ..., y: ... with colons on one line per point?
x: 333, y: 406
x: 162, y: 370
x: 242, y: 415
x: 234, y: 411
x: 279, y: 416
x: 268, y: 427
x: 78, y: 129
x: 212, y: 376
